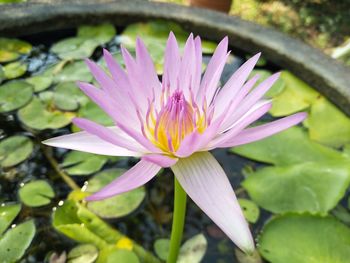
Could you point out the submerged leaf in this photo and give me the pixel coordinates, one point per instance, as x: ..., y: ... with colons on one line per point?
x: 15, y: 241
x: 305, y: 239
x: 116, y: 206
x: 36, y: 193
x: 308, y: 187
x: 14, y: 95
x: 14, y: 150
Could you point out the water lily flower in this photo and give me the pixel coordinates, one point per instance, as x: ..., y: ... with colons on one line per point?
x: 175, y: 122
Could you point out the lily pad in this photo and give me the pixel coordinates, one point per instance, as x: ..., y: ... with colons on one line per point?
x: 39, y: 115
x: 14, y: 69
x: 2, y: 74
x: 81, y: 163
x: 40, y: 82
x: 69, y: 97
x: 288, y: 147
x: 74, y: 71
x: 305, y: 239
x: 75, y: 48
x: 296, y: 96
x: 85, y: 253
x: 8, y: 213
x: 14, y: 150
x: 327, y: 124
x: 250, y: 210
x: 308, y: 187
x: 116, y: 206
x: 15, y: 241
x: 122, y: 256
x: 100, y: 33
x: 193, y: 250
x: 11, y: 49
x: 14, y: 95
x: 161, y: 247
x: 276, y: 89
x: 36, y: 193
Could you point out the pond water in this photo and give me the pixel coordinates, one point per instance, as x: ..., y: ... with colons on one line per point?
x: 299, y: 177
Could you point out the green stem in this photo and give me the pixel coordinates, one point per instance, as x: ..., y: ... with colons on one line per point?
x: 178, y: 221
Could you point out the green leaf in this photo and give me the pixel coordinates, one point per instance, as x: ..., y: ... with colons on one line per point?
x: 161, y: 247
x: 296, y: 96
x: 14, y: 95
x: 80, y: 163
x: 250, y: 210
x: 36, y: 193
x: 122, y: 256
x: 8, y: 213
x: 276, y: 88
x: 40, y: 82
x: 14, y: 150
x: 155, y: 34
x: 193, y: 250
x: 74, y: 48
x: 73, y: 71
x: 2, y: 74
x: 14, y: 70
x: 39, y: 115
x: 308, y: 187
x: 15, y: 241
x: 336, y: 133
x: 85, y: 253
x: 11, y: 49
x: 116, y: 206
x: 288, y: 147
x: 69, y: 97
x: 305, y: 239
x: 101, y: 33
x: 342, y: 214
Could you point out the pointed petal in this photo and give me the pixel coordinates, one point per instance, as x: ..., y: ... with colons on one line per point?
x: 206, y: 183
x: 262, y: 131
x: 171, y: 63
x: 187, y: 68
x: 137, y: 176
x: 234, y: 84
x: 109, y: 135
x: 86, y: 142
x: 116, y: 71
x: 160, y: 159
x: 213, y: 72
x: 198, y: 73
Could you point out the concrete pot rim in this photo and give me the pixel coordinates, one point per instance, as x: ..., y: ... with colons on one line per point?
x: 328, y: 76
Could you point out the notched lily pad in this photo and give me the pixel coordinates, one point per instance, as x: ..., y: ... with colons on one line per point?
x: 14, y: 150
x: 14, y: 69
x: 80, y: 163
x: 307, y: 187
x: 14, y: 95
x: 122, y: 256
x: 85, y: 253
x: 40, y: 82
x: 11, y: 49
x: 73, y: 71
x: 305, y: 239
x: 8, y: 213
x: 69, y: 97
x: 40, y: 115
x: 101, y: 33
x: 116, y: 206
x: 15, y: 241
x: 250, y: 210
x: 36, y: 193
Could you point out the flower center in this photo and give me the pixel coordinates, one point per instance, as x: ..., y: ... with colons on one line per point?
x: 176, y: 119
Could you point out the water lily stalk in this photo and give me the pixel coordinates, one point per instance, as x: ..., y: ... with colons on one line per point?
x: 175, y: 122
x: 180, y: 198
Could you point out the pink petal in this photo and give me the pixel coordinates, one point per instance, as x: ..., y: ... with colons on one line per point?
x: 160, y: 159
x: 109, y: 135
x: 210, y: 80
x: 252, y: 115
x: 86, y: 142
x: 137, y: 176
x: 206, y: 183
x: 260, y: 132
x: 118, y: 74
x: 251, y: 99
x: 186, y: 77
x: 171, y: 63
x: 198, y: 73
x: 233, y: 85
